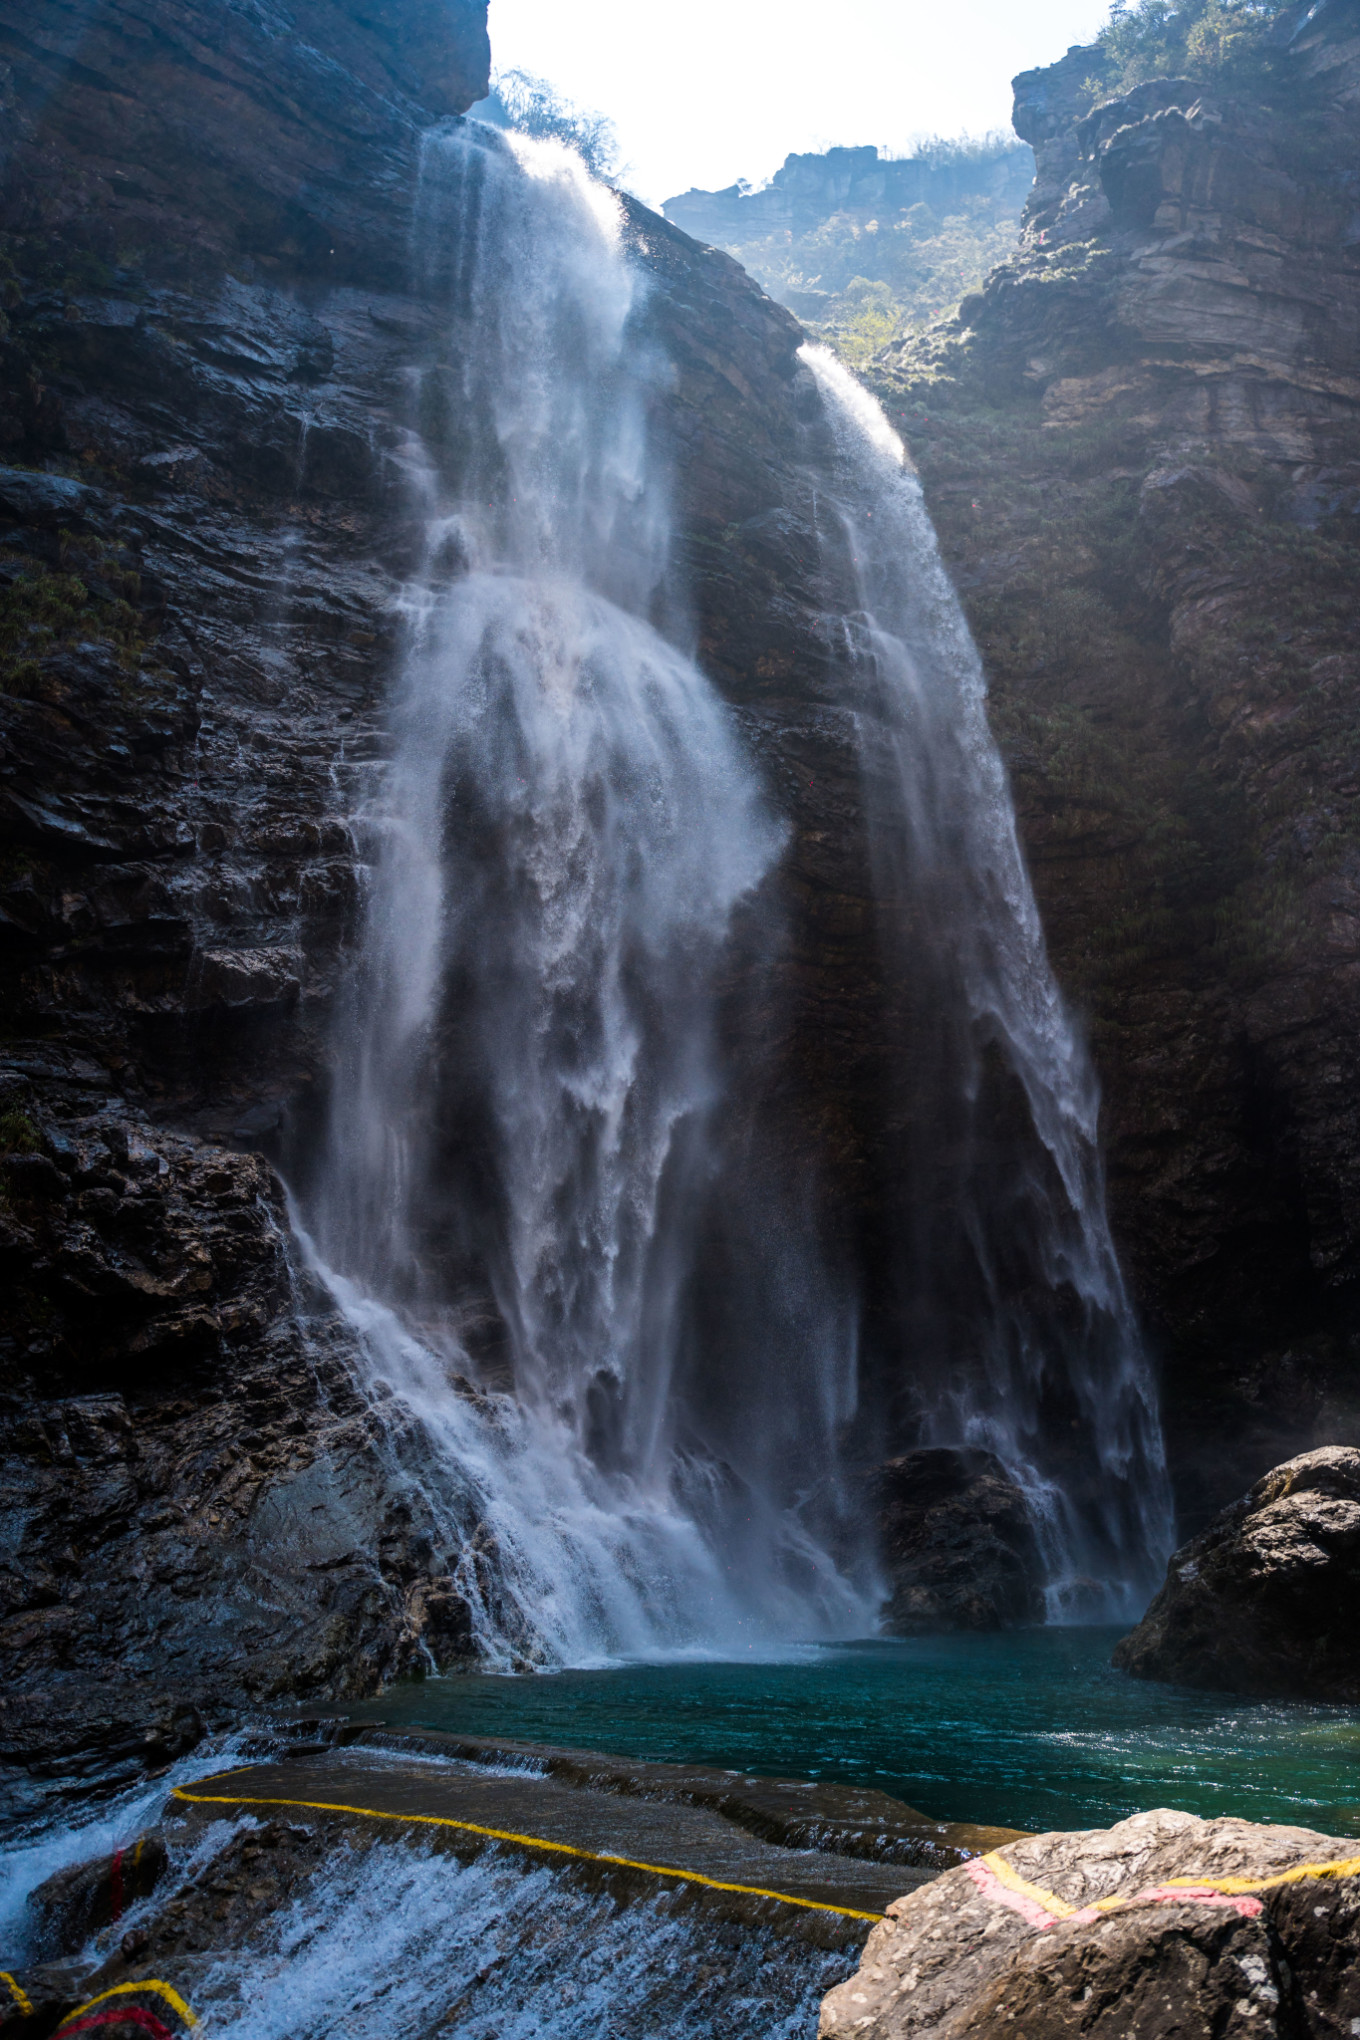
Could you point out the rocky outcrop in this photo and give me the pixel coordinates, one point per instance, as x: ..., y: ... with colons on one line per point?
x: 957, y: 1543
x: 808, y: 189
x: 1141, y: 446
x: 1267, y: 1599
x: 1163, y: 1925
x: 863, y: 245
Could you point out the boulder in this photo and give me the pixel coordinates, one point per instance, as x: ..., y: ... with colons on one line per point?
x: 957, y: 1541
x: 1266, y: 1600
x: 81, y: 1899
x: 1163, y: 1925
x: 39, y: 1997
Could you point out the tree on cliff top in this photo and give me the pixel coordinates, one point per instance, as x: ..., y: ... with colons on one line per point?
x: 531, y: 106
x: 1180, y: 39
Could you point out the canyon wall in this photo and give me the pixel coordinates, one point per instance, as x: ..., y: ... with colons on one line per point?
x: 1141, y: 445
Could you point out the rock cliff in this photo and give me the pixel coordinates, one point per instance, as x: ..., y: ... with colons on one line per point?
x: 209, y: 346
x: 1141, y: 446
x: 197, y: 550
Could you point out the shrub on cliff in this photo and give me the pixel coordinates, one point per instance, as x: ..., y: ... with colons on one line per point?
x: 1179, y: 39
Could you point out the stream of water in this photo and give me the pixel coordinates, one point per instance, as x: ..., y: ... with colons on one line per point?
x: 1022, y: 1338
x: 525, y: 1172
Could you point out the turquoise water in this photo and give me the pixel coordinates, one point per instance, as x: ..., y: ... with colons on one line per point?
x: 1031, y: 1730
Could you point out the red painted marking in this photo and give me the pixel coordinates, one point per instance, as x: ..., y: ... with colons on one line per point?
x: 990, y: 1885
x: 118, y: 2015
x: 1040, y: 1918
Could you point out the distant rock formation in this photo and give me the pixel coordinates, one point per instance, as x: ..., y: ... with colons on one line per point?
x: 862, y: 182
x: 1266, y: 1600
x: 863, y: 245
x: 1164, y: 1925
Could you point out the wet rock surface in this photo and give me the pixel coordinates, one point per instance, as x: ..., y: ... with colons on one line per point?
x: 200, y: 537
x: 1140, y: 443
x: 838, y: 1820
x: 206, y: 423
x: 1211, y: 1937
x: 1267, y: 1599
x: 219, y: 1904
x: 958, y: 1543
x: 304, y: 1919
x: 640, y: 1841
x: 68, y: 1908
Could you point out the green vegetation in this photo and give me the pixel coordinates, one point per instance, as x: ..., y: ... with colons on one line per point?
x: 18, y: 1134
x: 885, y: 279
x: 861, y: 277
x: 1179, y: 39
x: 44, y: 606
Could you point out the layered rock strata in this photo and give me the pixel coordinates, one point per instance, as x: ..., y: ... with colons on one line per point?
x: 1141, y: 446
x: 199, y: 536
x: 1267, y: 1599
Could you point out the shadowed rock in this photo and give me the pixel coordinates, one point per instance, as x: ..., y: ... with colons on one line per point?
x: 1267, y: 1599
x: 958, y: 1543
x: 1140, y: 444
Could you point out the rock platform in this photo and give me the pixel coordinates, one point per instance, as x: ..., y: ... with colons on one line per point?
x: 796, y: 1856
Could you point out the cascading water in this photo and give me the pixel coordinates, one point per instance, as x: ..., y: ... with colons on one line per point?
x: 528, y: 1074
x: 1022, y: 1339
x: 523, y: 1193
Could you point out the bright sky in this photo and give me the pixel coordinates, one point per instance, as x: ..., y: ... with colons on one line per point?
x: 706, y: 91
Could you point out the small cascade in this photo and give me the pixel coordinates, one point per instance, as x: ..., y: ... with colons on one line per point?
x: 522, y: 1154
x: 1022, y: 1338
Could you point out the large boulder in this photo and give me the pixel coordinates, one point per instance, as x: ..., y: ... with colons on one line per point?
x: 1164, y: 1925
x: 1267, y: 1599
x: 957, y: 1541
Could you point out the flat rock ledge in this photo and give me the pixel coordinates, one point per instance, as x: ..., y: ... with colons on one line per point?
x: 1166, y: 1925
x: 1266, y: 1601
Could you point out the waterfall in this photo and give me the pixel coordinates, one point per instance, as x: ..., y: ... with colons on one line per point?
x: 613, y: 1361
x: 523, y: 1150
x: 1022, y: 1339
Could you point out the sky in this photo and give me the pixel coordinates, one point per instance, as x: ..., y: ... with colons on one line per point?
x: 703, y: 92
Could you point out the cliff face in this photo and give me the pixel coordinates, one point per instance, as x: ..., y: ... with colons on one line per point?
x: 1141, y: 445
x: 865, y: 247
x: 205, y: 329
x: 209, y: 347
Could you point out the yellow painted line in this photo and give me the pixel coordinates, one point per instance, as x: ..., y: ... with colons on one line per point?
x: 524, y: 1841
x: 20, y: 1996
x: 1013, y: 1881
x: 1302, y: 1873
x: 165, y: 1990
x: 1230, y: 1887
